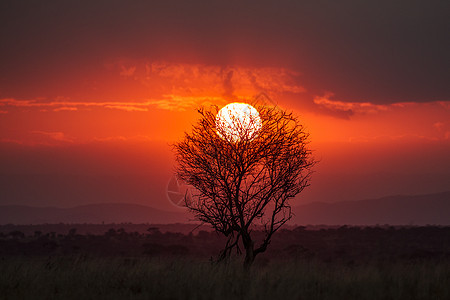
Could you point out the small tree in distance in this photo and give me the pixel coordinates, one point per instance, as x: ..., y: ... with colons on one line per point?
x: 243, y: 179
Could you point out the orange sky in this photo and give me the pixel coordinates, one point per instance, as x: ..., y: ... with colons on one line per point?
x: 157, y: 101
x: 365, y: 149
x: 89, y: 94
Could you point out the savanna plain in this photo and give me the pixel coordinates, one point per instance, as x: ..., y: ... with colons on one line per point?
x: 138, y: 261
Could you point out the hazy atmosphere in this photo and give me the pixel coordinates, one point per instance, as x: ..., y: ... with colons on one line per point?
x: 211, y: 149
x: 92, y: 95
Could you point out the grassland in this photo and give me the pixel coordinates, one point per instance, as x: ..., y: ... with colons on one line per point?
x: 144, y: 278
x: 327, y: 263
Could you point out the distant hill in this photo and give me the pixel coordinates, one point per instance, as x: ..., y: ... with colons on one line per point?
x: 394, y: 210
x: 94, y: 213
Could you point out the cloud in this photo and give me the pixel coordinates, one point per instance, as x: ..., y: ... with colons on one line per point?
x: 212, y: 80
x: 443, y: 127
x: 17, y: 103
x: 356, y: 122
x: 128, y: 107
x: 438, y: 125
x: 172, y: 86
x: 398, y: 138
x: 444, y: 104
x: 136, y: 138
x: 177, y: 103
x: 349, y: 108
x: 394, y: 54
x: 74, y: 105
x: 55, y: 135
x: 65, y: 108
x: 127, y: 72
x: 185, y: 86
x: 228, y: 85
x: 170, y: 102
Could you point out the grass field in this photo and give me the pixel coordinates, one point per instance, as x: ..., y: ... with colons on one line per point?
x: 80, y: 277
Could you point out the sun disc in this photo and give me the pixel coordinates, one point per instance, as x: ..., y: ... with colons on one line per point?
x: 238, y: 121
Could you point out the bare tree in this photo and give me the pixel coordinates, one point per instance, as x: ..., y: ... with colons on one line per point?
x: 244, y: 184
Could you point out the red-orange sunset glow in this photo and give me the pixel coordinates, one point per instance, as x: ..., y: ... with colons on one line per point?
x: 100, y: 94
x: 164, y: 105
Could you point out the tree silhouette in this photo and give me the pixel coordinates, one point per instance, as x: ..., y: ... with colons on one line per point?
x: 243, y: 178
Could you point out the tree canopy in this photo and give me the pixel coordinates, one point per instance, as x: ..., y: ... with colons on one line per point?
x: 242, y: 184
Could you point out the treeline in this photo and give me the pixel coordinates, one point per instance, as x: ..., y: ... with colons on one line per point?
x: 100, y: 229
x: 351, y: 245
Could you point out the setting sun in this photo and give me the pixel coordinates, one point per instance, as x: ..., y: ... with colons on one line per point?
x: 238, y: 121
x: 166, y: 145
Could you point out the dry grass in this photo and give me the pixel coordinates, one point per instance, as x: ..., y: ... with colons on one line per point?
x: 141, y: 278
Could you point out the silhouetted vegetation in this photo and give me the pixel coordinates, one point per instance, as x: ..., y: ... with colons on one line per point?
x: 303, y: 263
x: 245, y: 168
x: 327, y: 244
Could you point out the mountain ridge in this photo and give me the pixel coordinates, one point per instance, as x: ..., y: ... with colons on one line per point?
x: 394, y: 210
x: 88, y: 213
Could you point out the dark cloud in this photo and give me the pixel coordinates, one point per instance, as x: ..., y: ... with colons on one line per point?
x: 377, y: 51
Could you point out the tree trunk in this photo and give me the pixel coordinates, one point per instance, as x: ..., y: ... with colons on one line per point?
x: 249, y: 254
